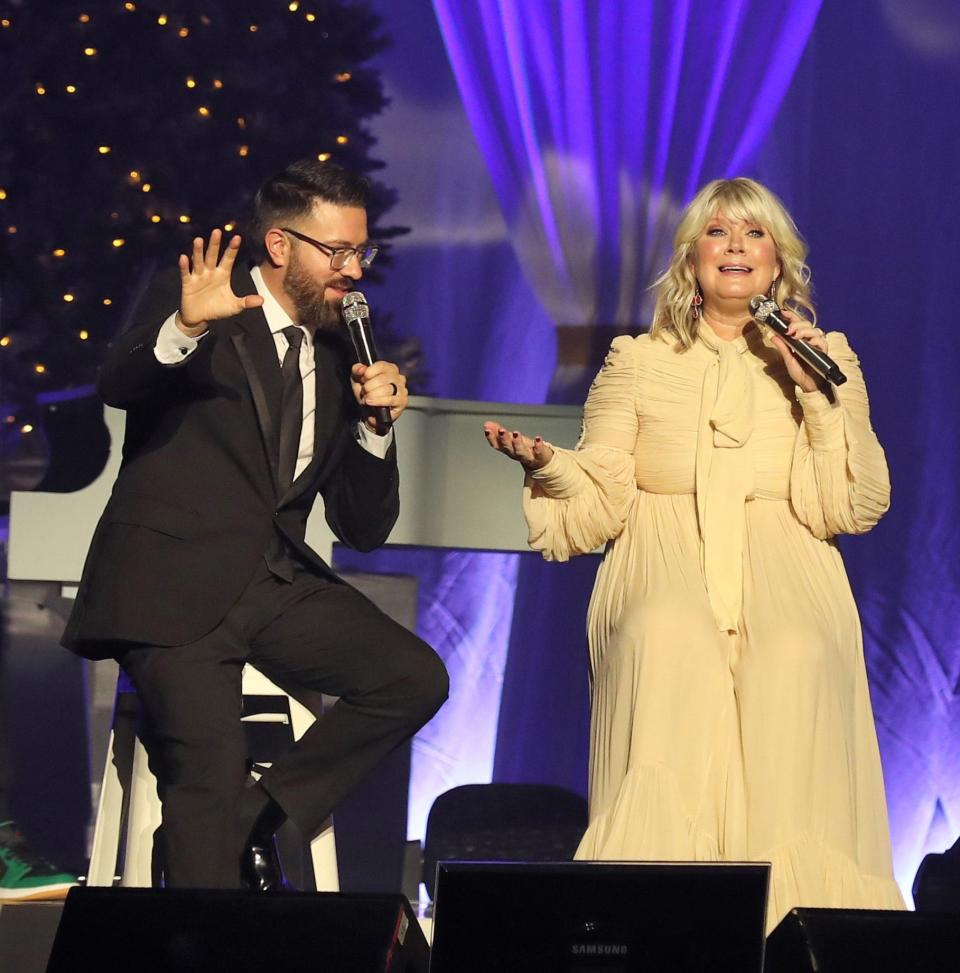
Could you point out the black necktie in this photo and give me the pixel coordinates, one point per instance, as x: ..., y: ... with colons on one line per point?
x: 291, y: 409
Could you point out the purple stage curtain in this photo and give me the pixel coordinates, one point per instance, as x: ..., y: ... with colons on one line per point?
x: 865, y: 153
x: 596, y: 122
x: 599, y: 120
x: 871, y: 177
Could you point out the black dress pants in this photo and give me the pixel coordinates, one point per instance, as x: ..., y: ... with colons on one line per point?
x: 312, y: 633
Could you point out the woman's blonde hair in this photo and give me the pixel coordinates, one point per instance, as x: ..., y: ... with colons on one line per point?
x: 736, y: 199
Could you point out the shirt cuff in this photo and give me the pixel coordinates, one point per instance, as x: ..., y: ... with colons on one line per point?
x: 372, y: 443
x: 172, y: 345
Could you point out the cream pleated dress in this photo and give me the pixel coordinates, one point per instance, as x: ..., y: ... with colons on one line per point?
x: 731, y: 718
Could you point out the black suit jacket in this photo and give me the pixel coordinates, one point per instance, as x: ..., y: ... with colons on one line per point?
x: 196, y: 498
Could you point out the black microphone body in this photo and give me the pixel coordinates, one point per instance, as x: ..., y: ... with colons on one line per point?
x: 356, y: 315
x: 766, y: 311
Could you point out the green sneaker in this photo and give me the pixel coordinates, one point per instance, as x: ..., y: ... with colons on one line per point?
x: 24, y: 875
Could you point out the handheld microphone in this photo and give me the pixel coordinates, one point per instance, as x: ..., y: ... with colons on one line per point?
x: 767, y: 311
x: 356, y: 315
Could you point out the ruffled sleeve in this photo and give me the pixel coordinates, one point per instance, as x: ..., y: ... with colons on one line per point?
x: 582, y: 497
x: 839, y: 482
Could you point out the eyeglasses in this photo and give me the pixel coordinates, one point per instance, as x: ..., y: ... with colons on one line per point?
x: 339, y: 256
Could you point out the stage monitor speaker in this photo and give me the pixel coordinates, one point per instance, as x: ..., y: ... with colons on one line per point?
x: 194, y: 930
x: 599, y: 917
x: 864, y: 941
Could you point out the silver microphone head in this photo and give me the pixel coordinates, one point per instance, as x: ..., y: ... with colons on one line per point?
x: 354, y: 306
x: 351, y: 298
x: 761, y: 307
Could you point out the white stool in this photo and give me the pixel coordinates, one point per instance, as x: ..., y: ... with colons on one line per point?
x: 143, y: 812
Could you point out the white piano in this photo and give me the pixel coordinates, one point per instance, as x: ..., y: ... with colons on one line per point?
x: 456, y: 492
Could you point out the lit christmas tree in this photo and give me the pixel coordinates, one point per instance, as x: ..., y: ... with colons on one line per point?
x: 129, y: 128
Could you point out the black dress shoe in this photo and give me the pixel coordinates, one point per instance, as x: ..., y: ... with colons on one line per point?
x: 260, y: 869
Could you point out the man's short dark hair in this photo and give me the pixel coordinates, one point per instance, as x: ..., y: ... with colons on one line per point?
x: 291, y: 194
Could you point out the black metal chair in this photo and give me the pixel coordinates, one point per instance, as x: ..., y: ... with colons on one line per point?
x: 502, y: 822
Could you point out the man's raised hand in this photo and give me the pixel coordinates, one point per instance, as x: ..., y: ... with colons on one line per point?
x: 205, y: 291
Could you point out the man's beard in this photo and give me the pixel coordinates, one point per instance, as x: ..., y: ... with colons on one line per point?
x: 307, y: 297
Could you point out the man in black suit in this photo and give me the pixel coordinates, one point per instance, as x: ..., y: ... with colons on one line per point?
x: 241, y: 406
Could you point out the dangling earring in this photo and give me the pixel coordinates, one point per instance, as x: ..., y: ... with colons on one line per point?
x: 772, y: 293
x: 697, y: 301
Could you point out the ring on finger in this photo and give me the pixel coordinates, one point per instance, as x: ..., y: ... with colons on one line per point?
x: 395, y: 391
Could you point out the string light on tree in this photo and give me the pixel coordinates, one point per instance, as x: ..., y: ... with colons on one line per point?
x: 119, y: 81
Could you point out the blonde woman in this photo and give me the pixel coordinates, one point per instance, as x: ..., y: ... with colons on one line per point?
x: 730, y: 713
